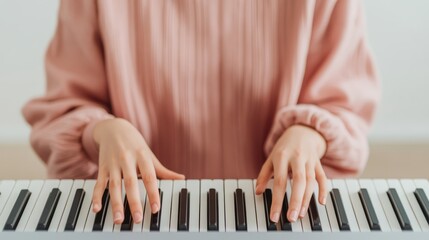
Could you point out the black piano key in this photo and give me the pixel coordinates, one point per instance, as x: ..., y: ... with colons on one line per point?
x: 212, y: 210
x: 285, y: 225
x: 75, y: 210
x: 423, y: 202
x: 268, y: 196
x: 183, y: 216
x: 49, y: 210
x: 370, y: 214
x: 340, y: 212
x: 240, y: 210
x: 400, y: 213
x: 155, y: 219
x: 100, y: 217
x: 313, y: 214
x: 17, y: 210
x: 127, y: 224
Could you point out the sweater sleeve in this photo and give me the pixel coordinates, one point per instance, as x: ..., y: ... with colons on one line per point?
x: 76, y: 95
x: 340, y: 89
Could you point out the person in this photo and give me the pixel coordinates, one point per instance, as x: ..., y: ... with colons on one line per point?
x: 206, y: 89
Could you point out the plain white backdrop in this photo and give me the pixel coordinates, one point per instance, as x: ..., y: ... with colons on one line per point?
x: 398, y: 32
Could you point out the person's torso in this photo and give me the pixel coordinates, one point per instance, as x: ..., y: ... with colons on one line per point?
x: 204, y: 78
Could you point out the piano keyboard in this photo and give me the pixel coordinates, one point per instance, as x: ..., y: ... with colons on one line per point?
x: 213, y: 209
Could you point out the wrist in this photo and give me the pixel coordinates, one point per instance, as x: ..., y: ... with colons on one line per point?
x: 311, y: 137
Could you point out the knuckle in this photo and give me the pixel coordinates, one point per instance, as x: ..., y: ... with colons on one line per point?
x: 124, y: 155
x: 309, y: 178
x: 117, y: 206
x: 280, y: 181
x: 134, y: 205
x: 297, y: 153
x: 149, y: 178
x: 295, y: 203
x: 115, y: 183
x: 280, y: 154
x: 299, y: 176
x: 129, y: 182
x: 141, y: 152
x: 322, y: 175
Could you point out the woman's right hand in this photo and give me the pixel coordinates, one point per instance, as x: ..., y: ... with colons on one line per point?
x: 123, y: 149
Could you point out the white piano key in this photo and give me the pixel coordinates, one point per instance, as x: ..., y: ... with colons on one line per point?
x: 354, y: 188
x: 422, y: 183
x: 76, y: 185
x: 230, y: 186
x: 35, y: 187
x: 382, y: 219
x: 137, y: 227
x: 409, y: 188
x: 147, y: 213
x: 260, y: 210
x: 19, y: 185
x: 341, y: 185
x: 297, y: 226
x: 177, y: 187
x: 6, y: 187
x: 247, y: 186
x: 381, y: 188
x: 322, y: 211
x: 108, y: 222
x: 204, y: 188
x: 218, y: 185
x: 167, y: 188
x: 193, y: 187
x: 116, y: 227
x: 305, y: 222
x: 40, y: 204
x: 333, y: 222
x: 65, y: 187
x: 394, y: 183
x: 86, y: 216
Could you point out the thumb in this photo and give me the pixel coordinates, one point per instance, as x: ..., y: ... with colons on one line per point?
x: 165, y: 173
x: 264, y: 176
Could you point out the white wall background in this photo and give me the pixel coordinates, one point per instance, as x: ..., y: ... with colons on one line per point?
x: 398, y: 32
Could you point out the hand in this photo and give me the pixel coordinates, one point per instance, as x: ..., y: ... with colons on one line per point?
x: 122, y: 150
x: 298, y: 150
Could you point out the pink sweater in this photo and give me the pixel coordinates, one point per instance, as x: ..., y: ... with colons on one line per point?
x: 211, y: 85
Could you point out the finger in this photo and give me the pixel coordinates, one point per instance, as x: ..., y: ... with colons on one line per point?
x: 310, y: 178
x: 115, y: 190
x: 264, y: 176
x: 279, y: 188
x: 133, y: 194
x: 298, y: 189
x: 98, y: 191
x: 148, y: 175
x: 322, y: 181
x: 165, y: 173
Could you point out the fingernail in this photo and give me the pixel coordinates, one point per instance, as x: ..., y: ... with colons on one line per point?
x: 118, y: 216
x: 293, y: 215
x: 137, y: 217
x: 324, y: 200
x: 154, y: 208
x: 302, y: 213
x: 95, y: 207
x: 275, y: 217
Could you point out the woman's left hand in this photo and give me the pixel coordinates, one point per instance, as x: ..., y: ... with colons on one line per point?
x: 299, y: 151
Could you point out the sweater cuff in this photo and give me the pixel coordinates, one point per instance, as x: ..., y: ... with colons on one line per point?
x: 345, y: 152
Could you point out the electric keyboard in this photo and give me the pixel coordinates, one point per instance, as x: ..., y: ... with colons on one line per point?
x: 212, y: 209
